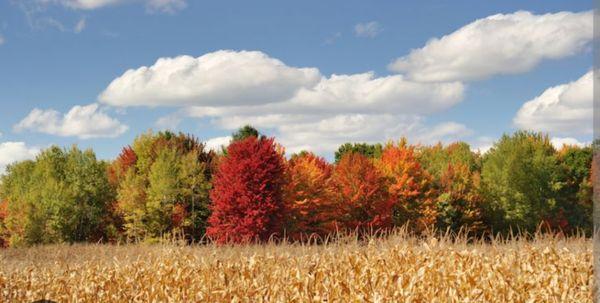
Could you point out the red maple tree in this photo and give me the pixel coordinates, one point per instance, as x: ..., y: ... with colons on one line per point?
x: 247, y: 193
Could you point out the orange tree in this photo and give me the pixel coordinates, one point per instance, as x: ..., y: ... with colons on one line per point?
x: 409, y: 186
x: 361, y: 199
x: 308, y: 197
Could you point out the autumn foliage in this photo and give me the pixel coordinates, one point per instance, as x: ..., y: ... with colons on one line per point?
x: 361, y: 200
x: 3, y: 214
x: 116, y: 171
x: 162, y: 184
x: 247, y: 202
x: 409, y: 186
x: 308, y: 197
x: 459, y: 202
x: 166, y: 184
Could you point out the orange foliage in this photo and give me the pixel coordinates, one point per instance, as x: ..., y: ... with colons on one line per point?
x: 361, y: 198
x: 308, y: 197
x: 409, y: 186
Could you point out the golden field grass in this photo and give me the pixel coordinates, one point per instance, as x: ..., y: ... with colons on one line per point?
x: 396, y: 269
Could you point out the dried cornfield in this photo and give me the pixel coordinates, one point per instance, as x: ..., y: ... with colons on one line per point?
x: 396, y: 269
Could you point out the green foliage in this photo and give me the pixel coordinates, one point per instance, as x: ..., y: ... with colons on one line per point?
x: 245, y: 132
x: 520, y: 185
x: 365, y: 149
x: 162, y: 192
x: 59, y: 197
x: 435, y: 159
x: 167, y: 188
x: 575, y: 201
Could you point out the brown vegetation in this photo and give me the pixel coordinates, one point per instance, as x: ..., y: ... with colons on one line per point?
x: 395, y: 269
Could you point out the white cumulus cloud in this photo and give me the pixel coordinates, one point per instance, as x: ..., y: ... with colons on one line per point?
x: 228, y: 81
x: 367, y: 93
x: 300, y: 106
x: 218, y: 78
x: 561, y: 109
x: 84, y: 122
x: 498, y: 44
x: 11, y: 152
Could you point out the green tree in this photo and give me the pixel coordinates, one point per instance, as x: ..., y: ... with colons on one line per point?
x: 365, y: 149
x: 163, y: 192
x: 576, y: 201
x: 519, y: 179
x: 435, y: 159
x: 166, y: 190
x: 59, y: 197
x: 195, y: 186
x: 245, y: 132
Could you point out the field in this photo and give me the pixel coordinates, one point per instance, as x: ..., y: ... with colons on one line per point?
x: 396, y: 269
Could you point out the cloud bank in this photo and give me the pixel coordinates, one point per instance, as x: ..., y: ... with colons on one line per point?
x: 498, y: 44
x: 305, y: 109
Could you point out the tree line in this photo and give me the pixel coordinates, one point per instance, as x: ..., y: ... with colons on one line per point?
x: 166, y: 183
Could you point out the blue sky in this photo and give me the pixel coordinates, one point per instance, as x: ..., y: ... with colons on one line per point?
x: 59, y: 56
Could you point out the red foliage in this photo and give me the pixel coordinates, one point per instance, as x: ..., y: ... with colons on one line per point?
x: 308, y: 197
x: 362, y: 202
x: 3, y: 215
x: 409, y: 186
x: 126, y: 159
x: 247, y: 193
